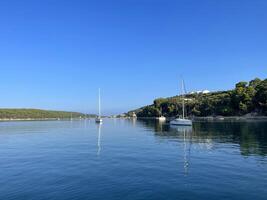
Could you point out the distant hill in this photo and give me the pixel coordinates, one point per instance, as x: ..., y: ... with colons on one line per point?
x: 246, y: 98
x: 38, y: 114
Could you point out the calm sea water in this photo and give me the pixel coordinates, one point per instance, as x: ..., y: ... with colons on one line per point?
x: 126, y: 159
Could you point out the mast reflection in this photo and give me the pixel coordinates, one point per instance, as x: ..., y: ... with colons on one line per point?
x: 186, y: 131
x: 99, y: 138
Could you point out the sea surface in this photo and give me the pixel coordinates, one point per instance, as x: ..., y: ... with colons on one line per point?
x: 132, y: 159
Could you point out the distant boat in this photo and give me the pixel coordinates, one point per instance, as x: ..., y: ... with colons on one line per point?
x: 182, y: 121
x: 219, y: 118
x: 98, y: 119
x: 161, y: 118
x: 134, y: 115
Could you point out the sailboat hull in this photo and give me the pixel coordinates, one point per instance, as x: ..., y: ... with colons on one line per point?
x: 162, y: 118
x: 98, y: 120
x: 181, y: 122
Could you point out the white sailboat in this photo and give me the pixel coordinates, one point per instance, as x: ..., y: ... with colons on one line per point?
x: 98, y: 119
x: 161, y: 118
x: 182, y: 121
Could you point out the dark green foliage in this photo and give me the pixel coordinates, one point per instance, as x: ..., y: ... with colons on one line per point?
x: 254, y: 83
x: 261, y: 96
x: 245, y: 98
x: 37, y: 114
x: 241, y: 84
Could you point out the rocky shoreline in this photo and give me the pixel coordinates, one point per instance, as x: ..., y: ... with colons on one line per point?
x: 29, y: 119
x: 36, y: 119
x: 231, y: 118
x: 219, y: 118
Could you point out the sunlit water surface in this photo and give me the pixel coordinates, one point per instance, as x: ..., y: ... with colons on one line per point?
x: 129, y: 159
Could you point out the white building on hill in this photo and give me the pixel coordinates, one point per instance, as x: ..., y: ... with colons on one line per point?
x: 200, y: 92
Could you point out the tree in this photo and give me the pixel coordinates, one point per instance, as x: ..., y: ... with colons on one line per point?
x: 195, y: 111
x: 245, y: 98
x: 243, y: 108
x: 261, y: 96
x: 255, y: 82
x: 159, y: 101
x: 241, y: 84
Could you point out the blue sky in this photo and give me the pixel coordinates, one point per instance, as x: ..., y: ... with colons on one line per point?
x: 56, y: 54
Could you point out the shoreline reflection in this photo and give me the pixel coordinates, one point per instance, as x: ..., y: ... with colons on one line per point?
x: 250, y: 136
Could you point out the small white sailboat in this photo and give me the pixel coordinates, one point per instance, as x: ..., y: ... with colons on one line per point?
x: 161, y: 118
x: 182, y: 121
x: 98, y: 119
x: 134, y: 115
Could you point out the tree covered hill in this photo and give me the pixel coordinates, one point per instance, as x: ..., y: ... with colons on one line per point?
x: 246, y: 97
x: 38, y: 114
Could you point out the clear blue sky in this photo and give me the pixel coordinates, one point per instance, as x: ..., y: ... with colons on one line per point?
x: 54, y: 54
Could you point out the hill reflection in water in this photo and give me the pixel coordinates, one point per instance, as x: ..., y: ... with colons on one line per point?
x: 250, y: 136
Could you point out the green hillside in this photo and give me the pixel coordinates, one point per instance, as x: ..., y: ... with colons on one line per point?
x: 38, y: 114
x: 246, y: 97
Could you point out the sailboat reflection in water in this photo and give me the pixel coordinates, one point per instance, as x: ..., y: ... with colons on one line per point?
x: 186, y: 131
x: 99, y: 138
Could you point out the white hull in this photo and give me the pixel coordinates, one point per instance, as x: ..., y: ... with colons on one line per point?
x: 181, y: 122
x: 98, y: 120
x: 162, y: 118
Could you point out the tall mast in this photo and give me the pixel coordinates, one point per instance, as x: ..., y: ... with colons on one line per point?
x: 99, y: 106
x: 183, y: 96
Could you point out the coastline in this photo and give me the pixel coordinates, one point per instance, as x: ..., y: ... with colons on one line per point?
x: 195, y: 119
x: 231, y: 118
x: 218, y: 118
x: 37, y: 119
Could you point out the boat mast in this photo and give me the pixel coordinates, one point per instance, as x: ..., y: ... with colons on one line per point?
x: 183, y: 96
x: 99, y: 104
